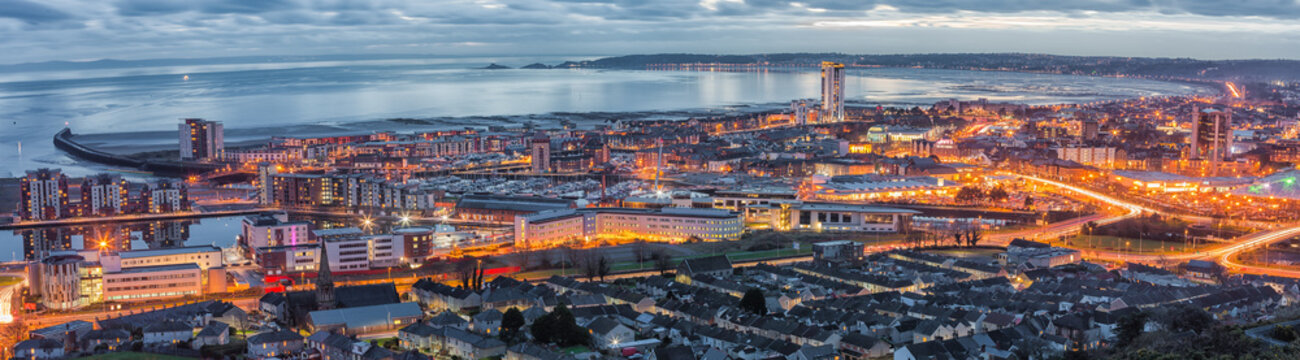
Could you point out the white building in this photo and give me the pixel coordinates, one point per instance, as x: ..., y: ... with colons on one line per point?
x: 203, y: 256
x: 1102, y: 157
x: 153, y: 282
x: 667, y: 224
x: 842, y: 217
x: 271, y: 230
x: 349, y: 249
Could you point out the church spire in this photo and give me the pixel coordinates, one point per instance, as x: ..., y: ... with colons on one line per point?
x: 324, y: 281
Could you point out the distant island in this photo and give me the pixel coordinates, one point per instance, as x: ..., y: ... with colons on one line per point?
x: 1175, y: 68
x: 536, y: 66
x: 495, y: 66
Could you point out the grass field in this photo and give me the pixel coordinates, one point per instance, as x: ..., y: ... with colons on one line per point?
x: 1145, y: 246
x: 132, y: 356
x: 6, y: 280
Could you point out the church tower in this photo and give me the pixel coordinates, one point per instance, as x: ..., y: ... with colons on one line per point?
x: 324, y: 282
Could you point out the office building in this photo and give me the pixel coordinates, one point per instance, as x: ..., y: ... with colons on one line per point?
x: 153, y: 282
x: 841, y: 217
x: 201, y: 140
x: 549, y: 228
x: 44, y: 195
x: 832, y: 92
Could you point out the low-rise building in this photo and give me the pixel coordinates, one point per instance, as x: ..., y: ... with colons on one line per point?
x: 365, y: 319
x: 153, y: 282
x: 278, y: 343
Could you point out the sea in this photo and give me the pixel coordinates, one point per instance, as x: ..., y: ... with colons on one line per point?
x: 125, y: 106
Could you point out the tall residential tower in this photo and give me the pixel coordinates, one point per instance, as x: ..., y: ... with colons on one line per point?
x: 832, y: 92
x: 202, y: 139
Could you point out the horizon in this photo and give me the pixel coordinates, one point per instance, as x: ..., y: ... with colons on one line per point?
x: 582, y: 57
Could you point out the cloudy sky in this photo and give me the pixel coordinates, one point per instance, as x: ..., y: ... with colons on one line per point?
x: 43, y: 30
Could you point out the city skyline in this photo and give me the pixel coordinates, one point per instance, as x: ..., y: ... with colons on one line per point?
x: 78, y: 30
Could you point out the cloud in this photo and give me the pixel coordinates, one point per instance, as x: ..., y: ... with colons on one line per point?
x: 31, y: 13
x: 39, y: 30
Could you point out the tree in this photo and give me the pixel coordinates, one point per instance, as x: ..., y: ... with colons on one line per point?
x: 560, y: 327
x: 640, y: 249
x: 754, y: 302
x: 511, y: 322
x: 998, y: 194
x: 1129, y: 327
x: 663, y: 261
x: 1184, y: 317
x: 969, y: 194
x: 973, y: 236
x: 603, y: 268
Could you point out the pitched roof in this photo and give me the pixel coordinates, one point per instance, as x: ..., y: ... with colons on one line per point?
x: 168, y: 326
x: 214, y: 328
x: 705, y: 264
x: 274, y: 336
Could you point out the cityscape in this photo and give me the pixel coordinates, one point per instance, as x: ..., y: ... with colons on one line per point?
x: 494, y: 196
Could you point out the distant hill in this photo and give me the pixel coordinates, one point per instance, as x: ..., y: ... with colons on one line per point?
x: 536, y: 66
x: 1082, y: 65
x: 494, y: 66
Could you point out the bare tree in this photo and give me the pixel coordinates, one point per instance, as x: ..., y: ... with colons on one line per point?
x: 973, y: 236
x: 590, y: 267
x: 603, y: 268
x: 571, y: 255
x: 640, y: 249
x: 663, y: 261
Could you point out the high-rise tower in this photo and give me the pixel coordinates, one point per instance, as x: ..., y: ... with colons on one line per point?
x: 832, y: 92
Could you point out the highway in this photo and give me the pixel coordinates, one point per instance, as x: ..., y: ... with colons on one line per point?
x: 1224, y: 255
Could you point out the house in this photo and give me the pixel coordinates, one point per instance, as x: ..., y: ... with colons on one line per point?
x: 1203, y: 270
x: 167, y: 333
x: 277, y: 343
x: 227, y: 313
x: 530, y: 351
x: 607, y: 333
x: 273, y: 304
x: 931, y: 330
x: 104, y: 339
x: 62, y: 332
x: 856, y: 346
x: 333, y: 346
x: 504, y: 298
x: 469, y: 345
x: 672, y: 353
x: 809, y: 352
x: 419, y: 335
x: 39, y: 349
x: 216, y: 333
x: 448, y: 319
x: 487, y: 322
x: 717, y: 265
x: 438, y: 296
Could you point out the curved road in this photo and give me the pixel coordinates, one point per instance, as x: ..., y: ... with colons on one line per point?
x: 1224, y: 255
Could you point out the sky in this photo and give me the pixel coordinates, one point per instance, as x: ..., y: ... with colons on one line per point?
x: 81, y: 30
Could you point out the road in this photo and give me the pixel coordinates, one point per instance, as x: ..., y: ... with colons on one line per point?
x: 1224, y: 255
x: 1072, y: 226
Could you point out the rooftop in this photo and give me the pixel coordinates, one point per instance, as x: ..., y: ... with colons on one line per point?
x: 167, y: 252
